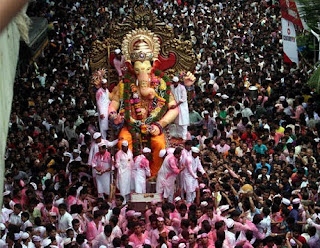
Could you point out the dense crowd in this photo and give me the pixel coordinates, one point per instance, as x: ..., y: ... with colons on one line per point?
x: 255, y: 182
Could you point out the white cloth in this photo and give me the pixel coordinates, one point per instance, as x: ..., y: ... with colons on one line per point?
x: 102, y: 97
x: 124, y: 164
x: 180, y: 95
x: 5, y: 213
x: 167, y: 176
x: 102, y: 239
x: 182, y: 131
x: 102, y: 162
x: 231, y: 237
x: 95, y: 148
x: 65, y: 222
x: 191, y: 182
x: 265, y: 226
x: 140, y: 173
x: 25, y: 225
x: 184, y: 158
x: 15, y: 219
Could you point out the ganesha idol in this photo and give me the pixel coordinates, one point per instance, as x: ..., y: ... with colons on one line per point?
x: 142, y: 104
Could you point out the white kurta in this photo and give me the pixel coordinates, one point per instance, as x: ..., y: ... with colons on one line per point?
x: 190, y: 178
x: 167, y: 176
x: 124, y: 164
x: 94, y: 149
x: 102, y: 162
x: 180, y: 95
x: 184, y: 155
x: 102, y: 97
x: 141, y: 171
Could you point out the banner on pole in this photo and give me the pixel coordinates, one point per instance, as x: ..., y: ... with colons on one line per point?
x: 290, y: 48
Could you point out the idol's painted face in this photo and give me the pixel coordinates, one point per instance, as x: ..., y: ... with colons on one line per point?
x: 142, y: 67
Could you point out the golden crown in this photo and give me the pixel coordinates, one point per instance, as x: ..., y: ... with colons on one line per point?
x: 141, y: 44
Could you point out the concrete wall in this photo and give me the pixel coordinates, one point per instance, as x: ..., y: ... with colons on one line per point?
x: 9, y: 51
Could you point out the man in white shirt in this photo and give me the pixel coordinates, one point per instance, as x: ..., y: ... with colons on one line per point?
x: 15, y: 217
x: 102, y: 97
x: 265, y: 225
x: 103, y: 238
x: 190, y: 177
x: 64, y: 221
x: 182, y: 120
x: 124, y: 164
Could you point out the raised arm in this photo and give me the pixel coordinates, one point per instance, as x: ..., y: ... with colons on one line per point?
x: 172, y: 113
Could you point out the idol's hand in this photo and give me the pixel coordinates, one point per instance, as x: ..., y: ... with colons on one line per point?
x: 118, y: 119
x: 155, y: 130
x: 189, y: 79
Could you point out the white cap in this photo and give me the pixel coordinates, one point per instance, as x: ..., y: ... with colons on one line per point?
x: 104, y: 81
x: 195, y: 149
x: 6, y: 193
x: 160, y: 219
x: 25, y: 235
x: 76, y: 151
x: 229, y: 223
x: 224, y: 208
x: 175, y: 79
x: 125, y: 143
x: 137, y: 214
x: 296, y: 201
x: 2, y: 227
x: 204, y: 204
x: 67, y: 241
x: 224, y: 97
x: 146, y: 150
x: 162, y: 153
x: 102, y: 246
x: 218, y: 94
x: 102, y: 143
x: 206, y: 112
x: 282, y: 98
x: 36, y: 238
x: 67, y: 154
x: 51, y: 213
x: 96, y: 135
x: 285, y: 201
x: 130, y: 213
x: 178, y: 198
x: 182, y: 245
x: 117, y: 51
x: 170, y: 150
x: 17, y: 236
x: 175, y: 239
x: 34, y: 185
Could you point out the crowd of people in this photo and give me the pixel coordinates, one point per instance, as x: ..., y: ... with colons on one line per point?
x: 247, y: 175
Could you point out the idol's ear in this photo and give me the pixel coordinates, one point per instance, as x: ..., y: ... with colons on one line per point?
x: 129, y: 67
x: 155, y: 65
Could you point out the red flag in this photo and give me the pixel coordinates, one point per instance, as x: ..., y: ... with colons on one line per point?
x: 289, y: 11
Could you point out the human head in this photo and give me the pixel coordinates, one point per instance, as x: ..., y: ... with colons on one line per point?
x: 124, y: 146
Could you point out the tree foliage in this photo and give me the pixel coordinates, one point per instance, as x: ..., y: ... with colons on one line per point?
x: 310, y: 12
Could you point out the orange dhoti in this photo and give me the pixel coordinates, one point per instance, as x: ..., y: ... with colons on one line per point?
x: 157, y: 143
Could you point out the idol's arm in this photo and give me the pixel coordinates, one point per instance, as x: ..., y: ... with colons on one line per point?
x: 171, y: 115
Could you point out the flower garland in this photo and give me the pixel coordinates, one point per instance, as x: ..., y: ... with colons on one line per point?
x: 139, y: 129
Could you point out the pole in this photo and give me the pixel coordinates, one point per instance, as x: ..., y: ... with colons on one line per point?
x: 108, y: 47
